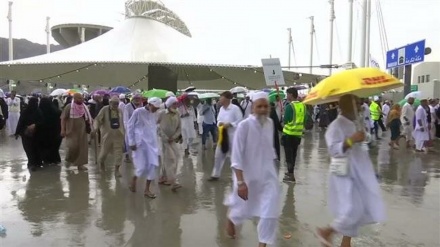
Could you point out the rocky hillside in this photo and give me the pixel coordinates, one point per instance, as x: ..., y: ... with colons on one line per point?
x: 23, y: 48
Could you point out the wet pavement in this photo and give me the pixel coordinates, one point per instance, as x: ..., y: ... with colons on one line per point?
x: 59, y: 206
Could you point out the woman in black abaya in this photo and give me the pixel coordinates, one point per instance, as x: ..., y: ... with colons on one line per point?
x: 28, y: 127
x: 50, y: 132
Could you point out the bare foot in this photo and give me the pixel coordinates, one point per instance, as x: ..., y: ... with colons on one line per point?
x: 230, y: 229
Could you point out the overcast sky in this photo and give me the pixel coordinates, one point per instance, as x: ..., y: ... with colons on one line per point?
x: 244, y: 31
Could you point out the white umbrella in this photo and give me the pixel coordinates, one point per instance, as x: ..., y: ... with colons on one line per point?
x: 208, y: 96
x: 238, y: 90
x: 189, y: 89
x: 415, y: 95
x: 58, y: 92
x: 193, y: 94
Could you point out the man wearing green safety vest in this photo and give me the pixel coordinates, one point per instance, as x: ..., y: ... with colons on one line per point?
x: 376, y: 116
x: 294, y: 118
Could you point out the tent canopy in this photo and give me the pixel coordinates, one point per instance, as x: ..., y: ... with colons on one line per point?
x: 121, y: 57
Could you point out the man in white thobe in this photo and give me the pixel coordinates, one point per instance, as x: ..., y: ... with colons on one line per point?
x: 142, y: 138
x: 246, y: 105
x: 169, y: 133
x: 200, y: 117
x: 367, y: 116
x: 256, y: 189
x: 228, y: 117
x: 421, y: 130
x: 386, y: 110
x: 434, y: 119
x: 407, y: 118
x: 187, y: 118
x: 136, y: 102
x: 354, y: 193
x: 121, y: 102
x: 13, y: 103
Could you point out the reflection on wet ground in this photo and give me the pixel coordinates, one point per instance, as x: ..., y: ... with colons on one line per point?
x: 57, y: 206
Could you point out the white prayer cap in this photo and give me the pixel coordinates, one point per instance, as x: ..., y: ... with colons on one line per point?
x: 155, y: 101
x: 376, y: 98
x: 170, y: 101
x: 259, y: 95
x: 122, y: 96
x: 169, y: 94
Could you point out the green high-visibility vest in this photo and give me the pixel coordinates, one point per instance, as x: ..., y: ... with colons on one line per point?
x: 375, y: 111
x: 296, y: 128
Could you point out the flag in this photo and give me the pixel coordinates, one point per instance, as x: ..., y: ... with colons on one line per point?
x: 374, y: 63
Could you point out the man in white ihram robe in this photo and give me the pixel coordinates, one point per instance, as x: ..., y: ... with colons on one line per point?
x: 187, y: 118
x: 354, y: 194
x: 129, y: 108
x: 256, y: 189
x: 421, y: 132
x: 407, y: 118
x: 14, y: 113
x: 142, y: 138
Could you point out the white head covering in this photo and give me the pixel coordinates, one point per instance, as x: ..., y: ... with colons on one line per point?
x: 122, y: 96
x: 169, y: 94
x: 155, y: 101
x: 2, y: 94
x: 376, y: 98
x: 170, y: 101
x: 259, y: 95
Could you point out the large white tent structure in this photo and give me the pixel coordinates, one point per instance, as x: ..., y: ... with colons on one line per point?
x: 152, y: 46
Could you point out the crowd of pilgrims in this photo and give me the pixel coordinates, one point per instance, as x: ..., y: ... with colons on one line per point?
x: 149, y: 133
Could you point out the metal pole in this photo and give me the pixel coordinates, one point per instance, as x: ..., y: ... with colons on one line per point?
x: 312, y: 32
x: 367, y: 40
x: 83, y: 35
x: 350, y: 31
x: 47, y: 34
x: 11, y: 42
x: 290, y: 47
x: 364, y: 33
x: 332, y: 18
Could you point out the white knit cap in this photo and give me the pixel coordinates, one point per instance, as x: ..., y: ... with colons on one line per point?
x: 122, y: 96
x: 170, y: 101
x: 170, y: 94
x: 259, y: 95
x: 155, y: 101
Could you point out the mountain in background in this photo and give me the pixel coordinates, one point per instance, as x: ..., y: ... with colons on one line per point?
x: 23, y: 48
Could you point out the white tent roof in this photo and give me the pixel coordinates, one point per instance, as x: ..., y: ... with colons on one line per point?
x: 122, y: 56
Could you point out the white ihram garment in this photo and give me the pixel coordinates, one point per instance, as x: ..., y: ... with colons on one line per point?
x: 14, y: 114
x: 187, y: 123
x: 127, y: 113
x: 232, y: 115
x: 421, y: 136
x: 142, y: 132
x: 200, y: 118
x: 407, y: 119
x: 253, y: 153
x: 169, y: 128
x: 367, y: 117
x: 385, y: 111
x: 433, y: 122
x: 355, y: 199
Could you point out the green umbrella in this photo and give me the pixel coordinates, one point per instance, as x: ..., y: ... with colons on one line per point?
x: 160, y: 93
x: 416, y: 103
x: 273, y: 95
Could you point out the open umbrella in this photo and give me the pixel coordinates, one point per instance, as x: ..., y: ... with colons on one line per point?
x: 160, y: 93
x: 415, y: 105
x: 238, y: 90
x: 72, y: 91
x: 415, y: 95
x: 58, y: 92
x: 101, y: 92
x: 208, y: 96
x: 120, y: 90
x: 189, y: 89
x: 273, y: 95
x: 362, y: 82
x: 193, y: 94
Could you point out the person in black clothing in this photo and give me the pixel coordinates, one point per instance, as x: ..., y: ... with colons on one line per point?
x: 277, y: 129
x: 50, y: 132
x: 4, y: 113
x: 28, y: 126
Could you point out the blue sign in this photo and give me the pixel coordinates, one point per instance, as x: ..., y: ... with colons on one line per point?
x: 409, y: 54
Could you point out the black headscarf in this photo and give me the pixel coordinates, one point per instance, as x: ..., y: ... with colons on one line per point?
x: 30, y: 115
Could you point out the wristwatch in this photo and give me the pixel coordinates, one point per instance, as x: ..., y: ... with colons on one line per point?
x: 239, y: 183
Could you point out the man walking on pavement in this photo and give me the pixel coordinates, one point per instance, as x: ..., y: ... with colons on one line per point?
x: 294, y: 117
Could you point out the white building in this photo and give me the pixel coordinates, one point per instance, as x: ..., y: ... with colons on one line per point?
x: 427, y: 78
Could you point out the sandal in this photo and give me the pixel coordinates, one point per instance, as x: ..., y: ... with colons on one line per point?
x: 150, y: 195
x: 175, y: 187
x: 321, y: 239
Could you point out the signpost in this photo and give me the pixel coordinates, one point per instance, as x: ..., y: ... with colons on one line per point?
x: 406, y: 55
x: 414, y: 88
x: 273, y: 72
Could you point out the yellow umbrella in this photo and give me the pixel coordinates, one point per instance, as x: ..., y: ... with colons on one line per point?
x: 362, y: 82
